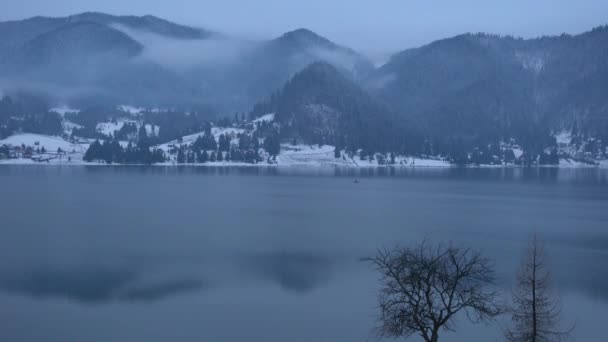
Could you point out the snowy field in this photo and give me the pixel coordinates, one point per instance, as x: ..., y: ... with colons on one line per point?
x: 72, y: 152
x: 50, y: 143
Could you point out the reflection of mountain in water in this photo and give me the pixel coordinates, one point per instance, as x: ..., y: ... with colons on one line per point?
x: 95, y: 284
x: 295, y: 272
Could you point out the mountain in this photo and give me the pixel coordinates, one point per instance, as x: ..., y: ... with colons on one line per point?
x: 16, y: 33
x: 278, y: 59
x: 93, y: 58
x: 76, y: 42
x: 322, y: 105
x: 263, y: 67
x: 481, y: 88
x: 123, y: 58
x: 304, y: 45
x: 147, y: 23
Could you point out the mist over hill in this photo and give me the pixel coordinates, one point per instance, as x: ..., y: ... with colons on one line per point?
x: 153, y: 62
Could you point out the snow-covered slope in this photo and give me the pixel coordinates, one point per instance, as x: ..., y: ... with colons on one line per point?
x: 216, y: 131
x: 43, y: 148
x: 50, y: 144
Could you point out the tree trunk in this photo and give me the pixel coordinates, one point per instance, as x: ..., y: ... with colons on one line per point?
x: 435, y: 335
x: 534, y: 332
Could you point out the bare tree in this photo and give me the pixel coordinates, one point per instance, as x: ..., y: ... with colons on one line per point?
x: 535, y: 312
x: 424, y: 287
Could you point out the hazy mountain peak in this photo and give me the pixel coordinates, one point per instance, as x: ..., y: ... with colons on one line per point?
x: 91, y: 16
x: 77, y: 39
x: 145, y: 23
x: 304, y: 37
x: 301, y: 32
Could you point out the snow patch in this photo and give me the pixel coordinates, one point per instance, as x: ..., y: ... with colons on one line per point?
x: 230, y: 132
x: 69, y: 126
x: 130, y: 109
x: 152, y: 130
x: 420, y: 162
x: 265, y: 118
x: 63, y: 110
x: 518, y: 152
x: 570, y: 163
x: 311, y: 155
x: 109, y: 128
x: 529, y: 62
x: 563, y: 138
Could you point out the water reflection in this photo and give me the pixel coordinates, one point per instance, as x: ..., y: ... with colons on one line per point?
x: 295, y: 272
x: 229, y: 247
x: 94, y: 284
x: 579, y: 176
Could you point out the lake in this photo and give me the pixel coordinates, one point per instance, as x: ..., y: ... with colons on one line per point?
x: 266, y: 254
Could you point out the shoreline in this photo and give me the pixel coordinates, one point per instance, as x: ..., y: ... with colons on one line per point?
x: 27, y: 162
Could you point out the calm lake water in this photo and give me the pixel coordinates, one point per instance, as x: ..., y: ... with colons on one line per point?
x: 251, y: 254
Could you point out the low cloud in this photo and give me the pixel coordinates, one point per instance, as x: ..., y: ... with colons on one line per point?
x: 184, y: 54
x: 381, y: 82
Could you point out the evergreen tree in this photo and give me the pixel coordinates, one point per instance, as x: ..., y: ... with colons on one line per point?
x: 181, y: 155
x: 4, y: 151
x: 272, y: 143
x: 142, y: 135
x: 236, y: 155
x: 93, y: 152
x: 224, y: 143
x: 207, y: 128
x: 535, y: 312
x: 509, y: 156
x: 204, y: 157
x: 245, y: 142
x: 199, y: 143
x: 553, y: 157
x: 209, y: 142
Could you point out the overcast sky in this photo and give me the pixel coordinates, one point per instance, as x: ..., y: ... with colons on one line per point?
x: 373, y: 26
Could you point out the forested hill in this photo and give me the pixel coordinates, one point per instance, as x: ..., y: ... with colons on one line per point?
x: 480, y: 89
x: 321, y: 105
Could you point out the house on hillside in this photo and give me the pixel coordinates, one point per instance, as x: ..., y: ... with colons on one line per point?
x: 20, y: 151
x: 16, y: 151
